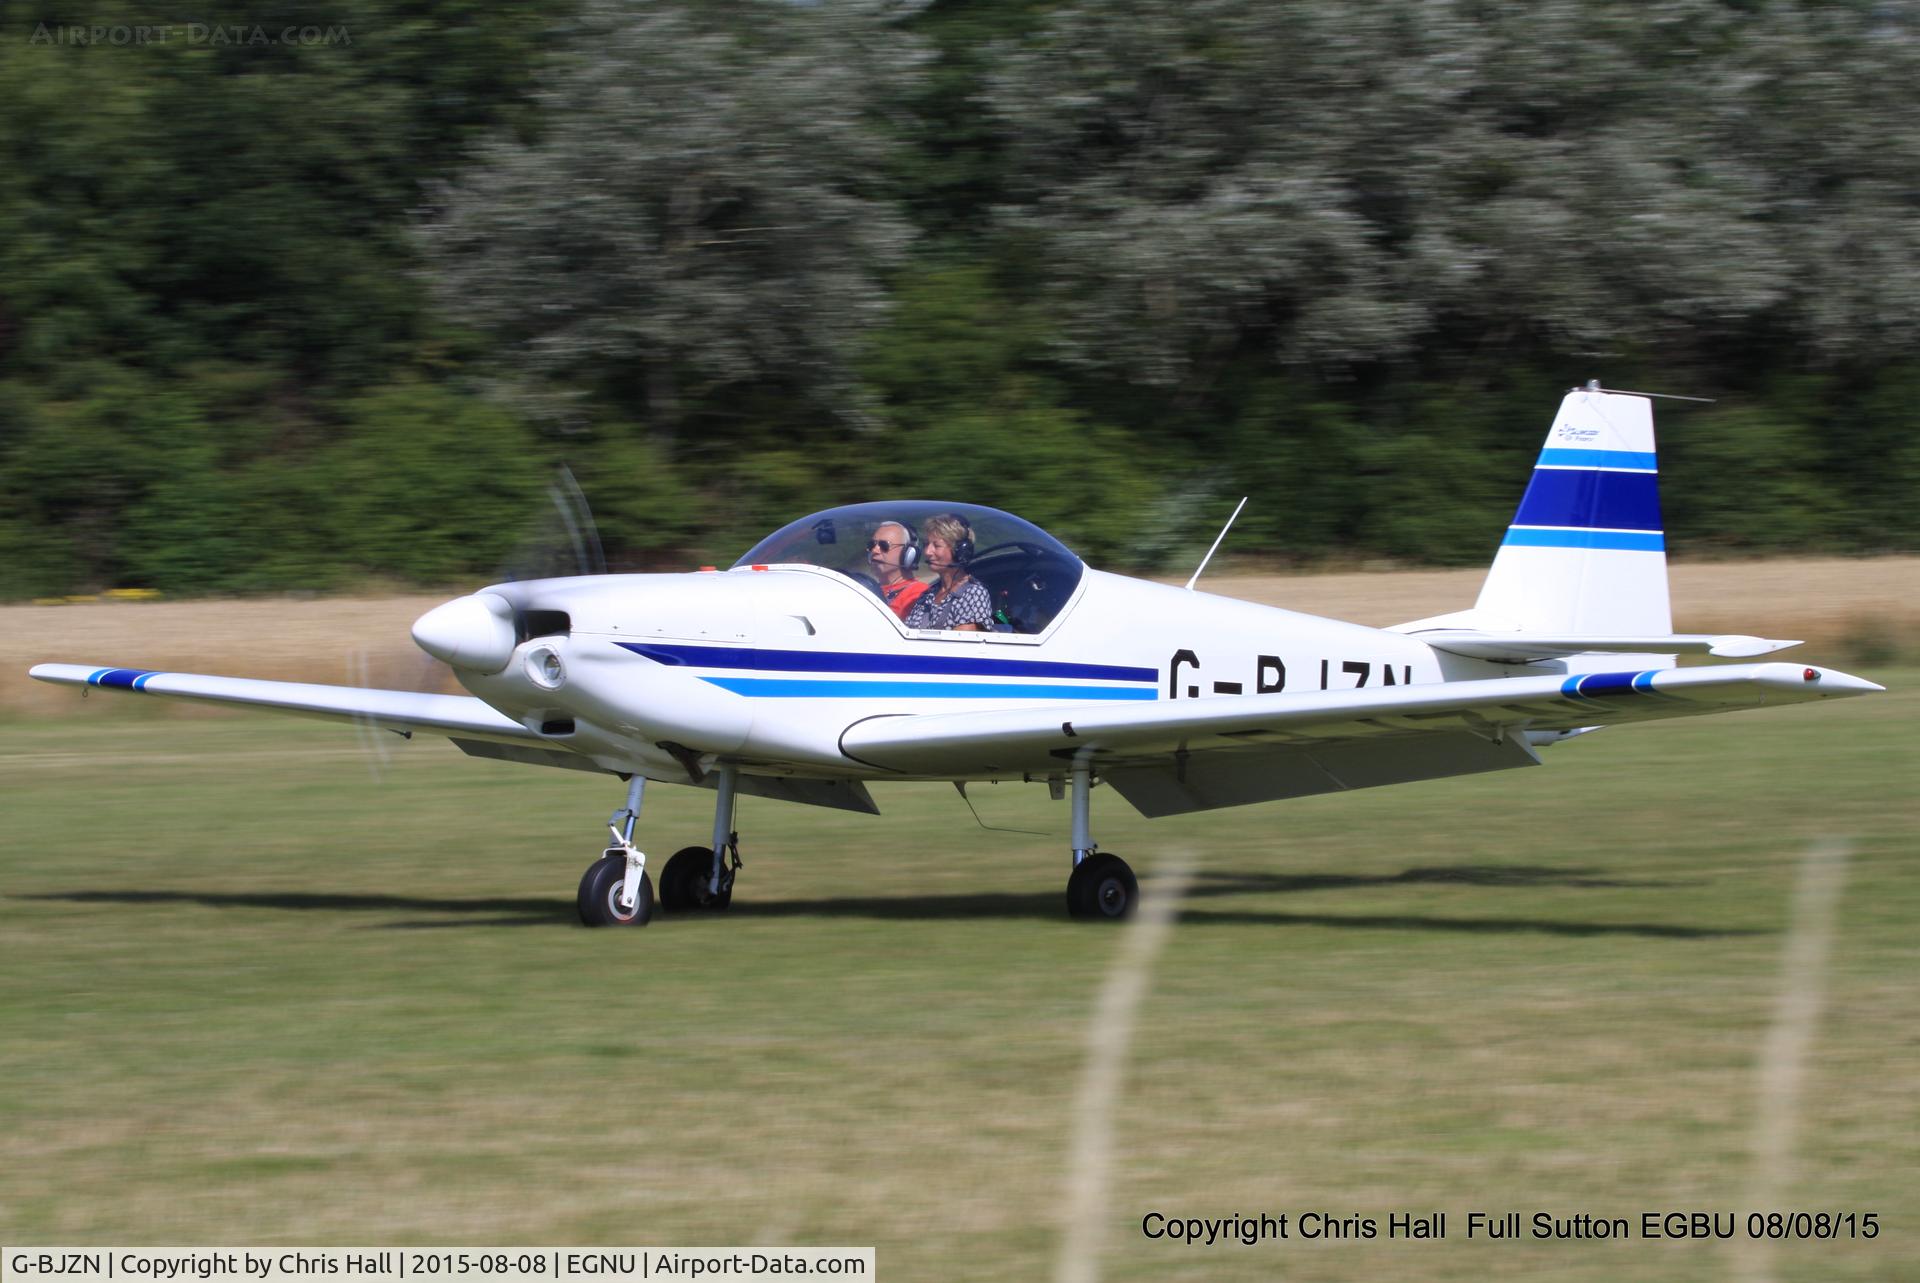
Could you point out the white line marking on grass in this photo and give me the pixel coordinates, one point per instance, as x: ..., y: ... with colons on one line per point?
x: 1109, y: 1034
x: 1796, y: 1014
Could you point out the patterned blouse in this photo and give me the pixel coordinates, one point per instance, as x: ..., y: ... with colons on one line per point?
x: 967, y: 604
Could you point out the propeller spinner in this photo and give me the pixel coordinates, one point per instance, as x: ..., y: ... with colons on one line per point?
x: 476, y: 633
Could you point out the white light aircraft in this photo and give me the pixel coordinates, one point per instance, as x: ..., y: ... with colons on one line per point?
x: 788, y: 676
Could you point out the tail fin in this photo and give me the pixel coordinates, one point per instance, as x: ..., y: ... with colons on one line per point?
x: 1586, y: 554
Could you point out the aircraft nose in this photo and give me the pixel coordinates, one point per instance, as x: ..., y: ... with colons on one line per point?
x: 475, y: 633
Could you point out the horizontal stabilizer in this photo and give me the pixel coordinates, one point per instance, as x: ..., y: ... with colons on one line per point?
x: 1519, y: 648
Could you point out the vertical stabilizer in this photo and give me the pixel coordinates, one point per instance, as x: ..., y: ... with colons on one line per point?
x: 1586, y: 553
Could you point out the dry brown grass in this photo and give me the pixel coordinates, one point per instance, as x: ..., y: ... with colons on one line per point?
x: 1861, y: 610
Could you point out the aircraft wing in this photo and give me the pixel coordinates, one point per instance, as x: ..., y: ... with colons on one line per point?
x: 1185, y: 755
x: 459, y: 716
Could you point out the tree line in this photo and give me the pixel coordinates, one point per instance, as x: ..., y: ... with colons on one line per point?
x: 285, y: 315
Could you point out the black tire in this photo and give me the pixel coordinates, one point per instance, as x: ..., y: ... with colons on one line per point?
x: 1102, y: 889
x: 599, y: 899
x: 683, y: 883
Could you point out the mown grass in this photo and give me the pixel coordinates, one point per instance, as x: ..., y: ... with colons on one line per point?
x: 252, y: 995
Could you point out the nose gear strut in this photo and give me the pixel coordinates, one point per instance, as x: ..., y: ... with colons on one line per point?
x: 615, y: 890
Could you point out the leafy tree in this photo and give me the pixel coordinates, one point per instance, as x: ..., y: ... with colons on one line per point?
x: 1355, y: 185
x: 700, y: 213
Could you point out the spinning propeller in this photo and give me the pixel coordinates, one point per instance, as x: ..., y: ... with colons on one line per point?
x: 479, y: 632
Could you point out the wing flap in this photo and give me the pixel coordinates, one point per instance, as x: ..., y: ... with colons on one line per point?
x: 1207, y: 781
x: 409, y: 711
x: 1040, y: 740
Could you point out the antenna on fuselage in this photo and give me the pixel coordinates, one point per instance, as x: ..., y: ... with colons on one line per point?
x: 1216, y: 543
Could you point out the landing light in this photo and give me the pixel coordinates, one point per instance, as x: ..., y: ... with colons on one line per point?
x: 544, y: 667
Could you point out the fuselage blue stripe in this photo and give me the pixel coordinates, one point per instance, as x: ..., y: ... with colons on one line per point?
x: 833, y: 661
x: 1591, y: 498
x: 794, y: 688
x: 1620, y: 540
x: 1597, y: 459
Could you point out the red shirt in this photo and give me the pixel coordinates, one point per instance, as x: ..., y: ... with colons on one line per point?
x: 902, y: 595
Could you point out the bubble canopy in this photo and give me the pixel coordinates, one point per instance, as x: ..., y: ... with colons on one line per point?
x: 1028, y: 573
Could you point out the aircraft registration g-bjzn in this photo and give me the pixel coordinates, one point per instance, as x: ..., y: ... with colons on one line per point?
x: 791, y: 676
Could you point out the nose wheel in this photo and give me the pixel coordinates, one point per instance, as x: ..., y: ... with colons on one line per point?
x: 615, y: 890
x: 600, y: 894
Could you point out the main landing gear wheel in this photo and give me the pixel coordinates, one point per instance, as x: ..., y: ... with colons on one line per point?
x: 685, y: 881
x: 1102, y: 889
x: 600, y: 895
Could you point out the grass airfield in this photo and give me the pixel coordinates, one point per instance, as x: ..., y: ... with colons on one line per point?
x: 254, y: 995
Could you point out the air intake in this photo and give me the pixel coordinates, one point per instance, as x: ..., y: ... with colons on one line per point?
x: 543, y: 623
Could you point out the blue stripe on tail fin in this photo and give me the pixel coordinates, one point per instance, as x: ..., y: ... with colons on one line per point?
x: 1585, y: 554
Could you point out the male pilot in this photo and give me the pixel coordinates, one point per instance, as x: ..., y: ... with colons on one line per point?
x: 887, y: 554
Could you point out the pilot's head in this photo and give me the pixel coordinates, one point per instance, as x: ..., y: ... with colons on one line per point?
x: 891, y: 552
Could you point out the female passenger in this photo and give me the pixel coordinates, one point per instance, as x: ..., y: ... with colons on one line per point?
x: 959, y: 602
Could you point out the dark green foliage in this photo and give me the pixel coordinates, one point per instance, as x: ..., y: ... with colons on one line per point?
x: 431, y: 484
x: 294, y: 314
x: 972, y: 414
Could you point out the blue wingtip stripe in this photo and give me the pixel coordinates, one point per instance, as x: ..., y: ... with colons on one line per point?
x: 1607, y: 684
x: 1590, y: 688
x: 1644, y: 684
x: 126, y: 678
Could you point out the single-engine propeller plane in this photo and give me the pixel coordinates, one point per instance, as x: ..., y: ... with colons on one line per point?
x: 801, y: 674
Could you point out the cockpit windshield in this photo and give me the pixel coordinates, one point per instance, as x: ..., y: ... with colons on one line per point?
x: 1028, y: 575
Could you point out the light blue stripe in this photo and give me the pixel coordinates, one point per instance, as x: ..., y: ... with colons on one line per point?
x: 1627, y: 540
x: 140, y: 682
x: 1598, y: 459
x: 796, y: 688
x: 1643, y: 682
